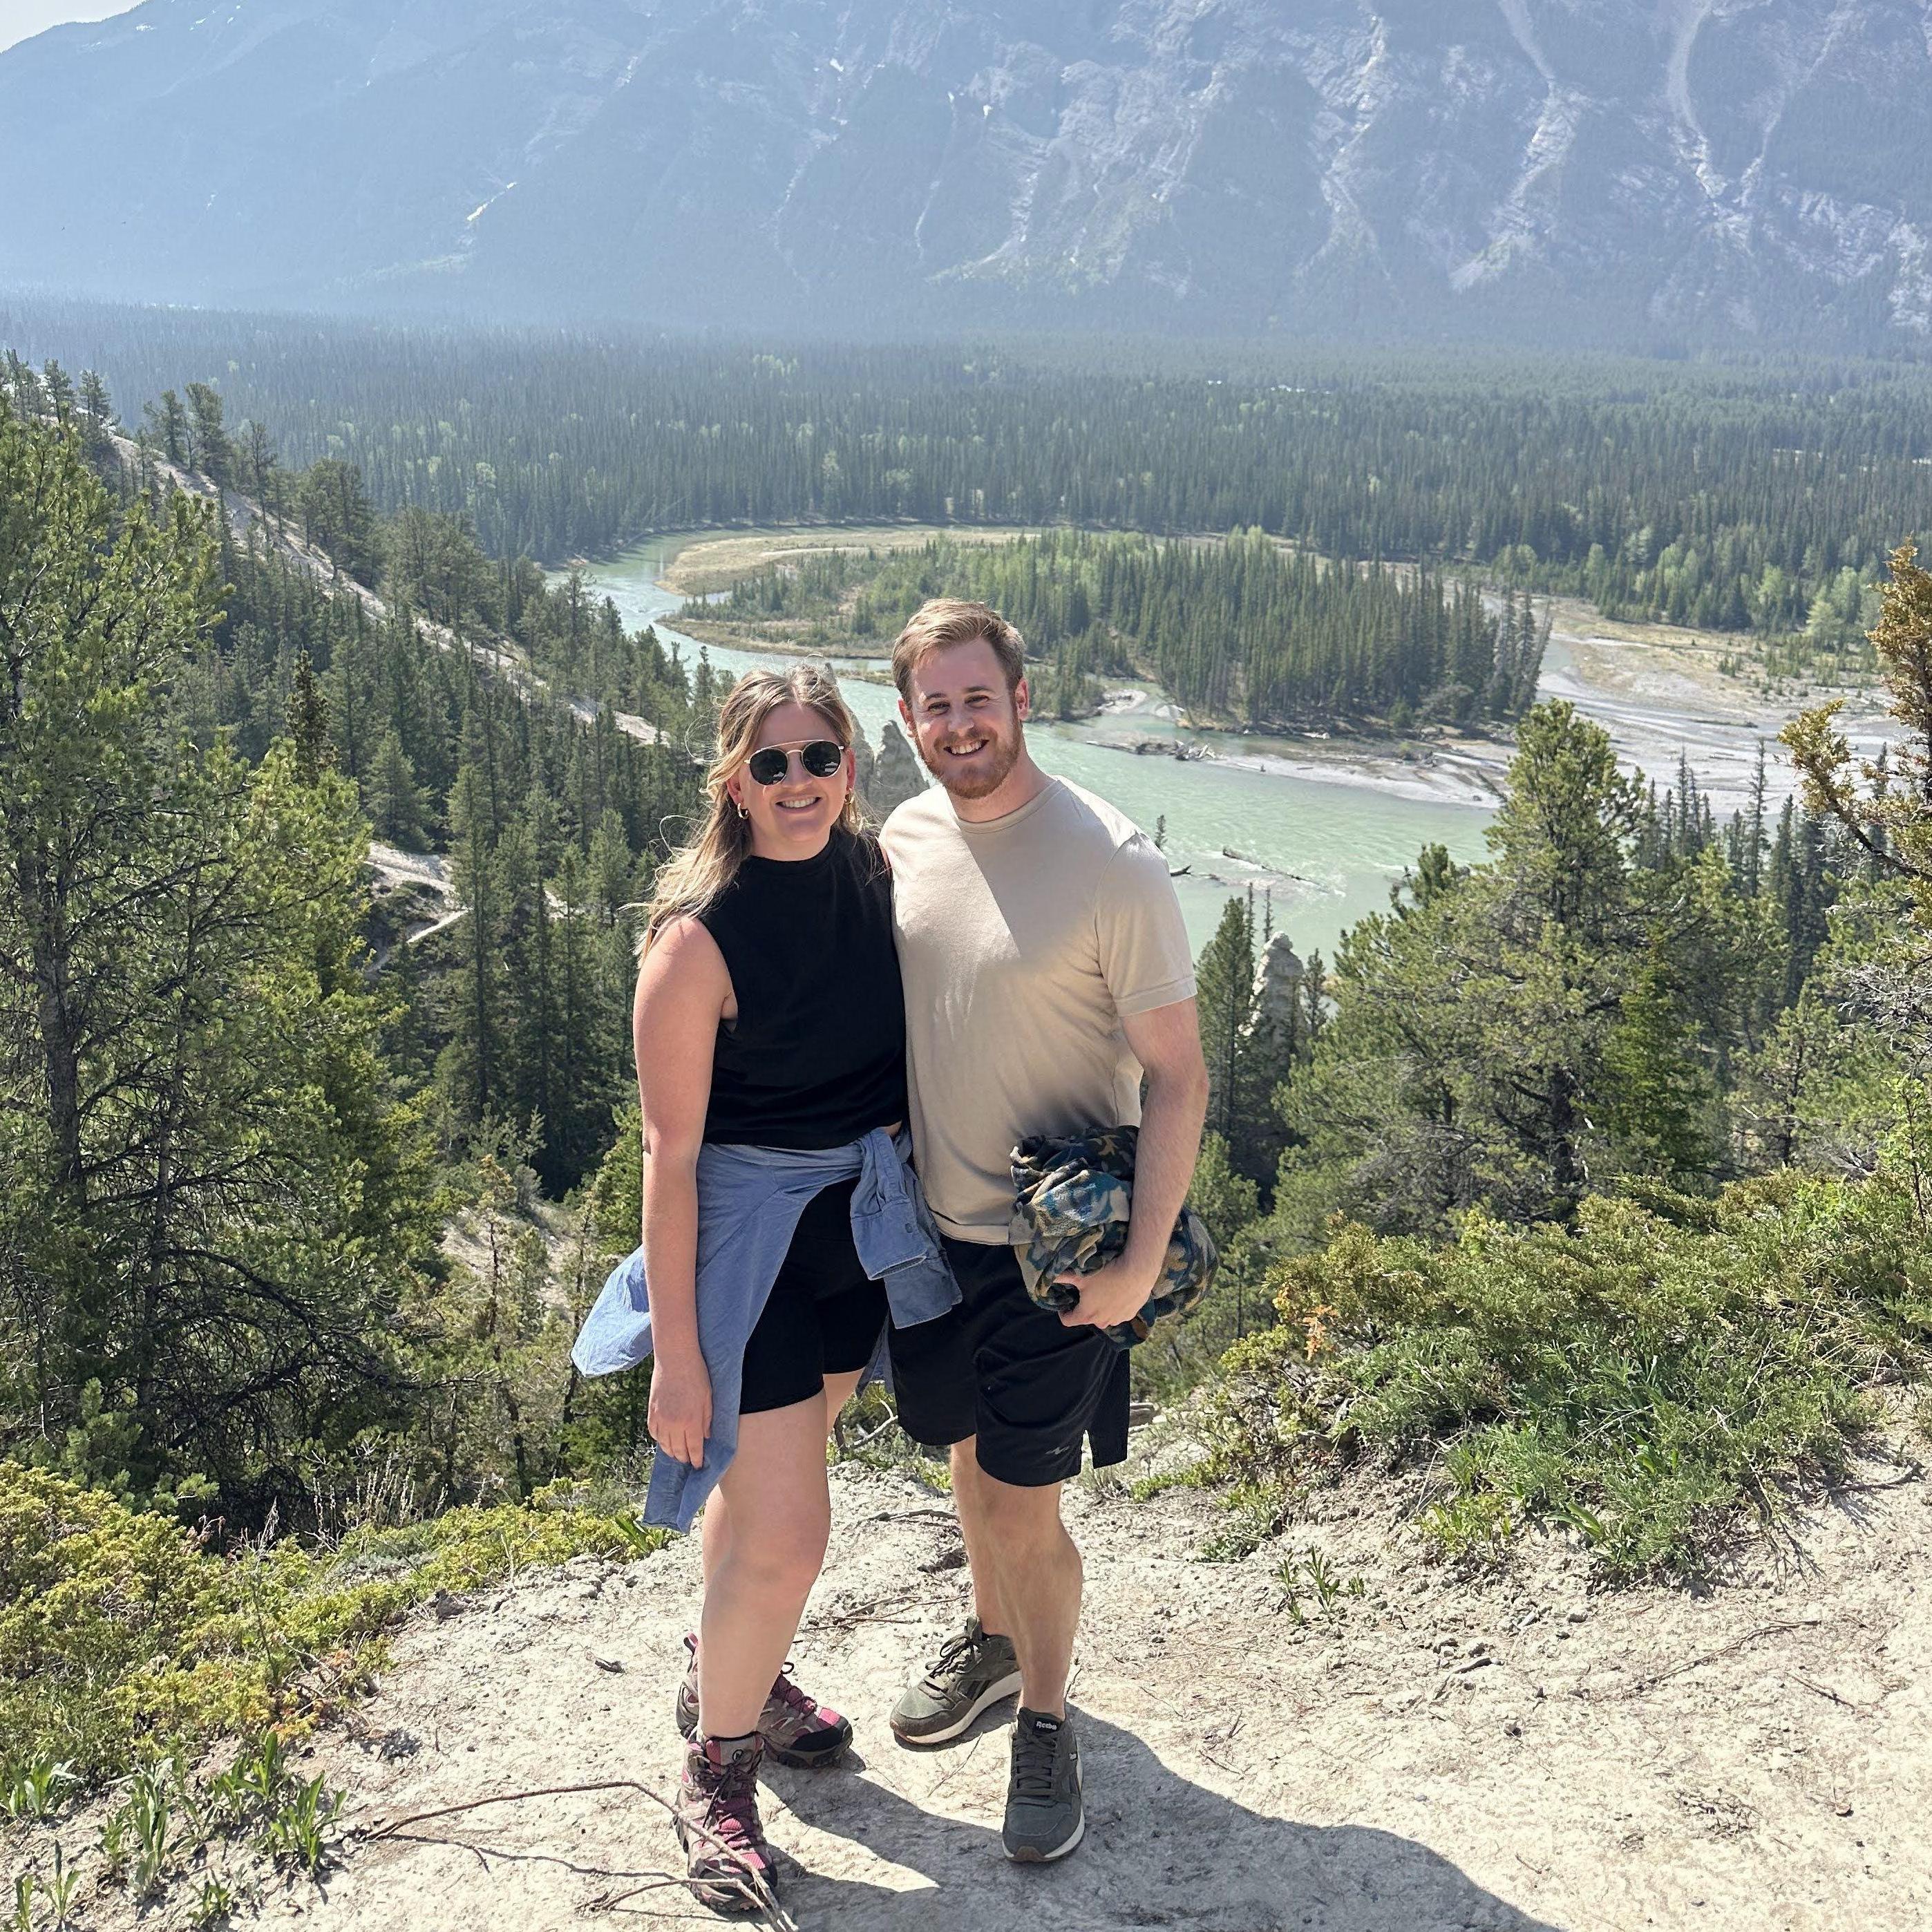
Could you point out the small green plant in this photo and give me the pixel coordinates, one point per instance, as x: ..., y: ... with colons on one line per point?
x: 215, y: 1904
x: 60, y: 1889
x: 1322, y: 1579
x: 1471, y: 1528
x: 34, y: 1794
x: 252, y: 1785
x: 643, y: 1542
x: 23, y: 1901
x: 1312, y: 1571
x: 1329, y: 1586
x: 152, y: 1793
x: 1144, y: 1489
x: 1253, y: 1517
x: 1289, y: 1577
x: 114, y: 1844
x: 297, y: 1832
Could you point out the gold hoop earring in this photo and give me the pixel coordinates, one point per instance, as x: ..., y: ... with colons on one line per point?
x: 744, y: 810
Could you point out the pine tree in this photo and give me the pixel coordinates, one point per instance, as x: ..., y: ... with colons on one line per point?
x: 260, y: 467
x: 337, y: 517
x: 308, y: 723
x: 97, y: 418
x: 1750, y: 868
x: 473, y: 1068
x: 1470, y: 1056
x: 213, y: 451
x: 1224, y: 982
x: 167, y: 421
x: 394, y: 800
x: 57, y: 386
x: 94, y: 621
x: 1660, y: 1100
x: 1885, y: 810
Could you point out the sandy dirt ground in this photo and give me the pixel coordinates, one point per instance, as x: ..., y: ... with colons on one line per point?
x: 1661, y: 698
x: 1497, y: 1755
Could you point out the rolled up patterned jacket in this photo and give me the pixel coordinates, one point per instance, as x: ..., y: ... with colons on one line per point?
x: 1072, y: 1196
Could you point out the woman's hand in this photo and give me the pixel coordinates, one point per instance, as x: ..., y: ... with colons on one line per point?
x: 680, y: 1415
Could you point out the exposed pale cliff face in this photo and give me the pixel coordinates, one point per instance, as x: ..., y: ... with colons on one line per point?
x: 1647, y: 175
x: 1278, y: 980
x: 896, y: 774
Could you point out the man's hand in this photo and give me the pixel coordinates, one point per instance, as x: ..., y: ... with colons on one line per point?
x: 1110, y: 1295
x: 679, y: 1416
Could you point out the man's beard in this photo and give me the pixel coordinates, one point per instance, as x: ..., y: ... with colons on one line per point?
x: 1002, y: 752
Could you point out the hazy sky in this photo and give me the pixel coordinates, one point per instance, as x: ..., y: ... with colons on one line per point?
x: 18, y: 18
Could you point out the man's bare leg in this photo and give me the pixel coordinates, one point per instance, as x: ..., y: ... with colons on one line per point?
x: 970, y: 1503
x: 1026, y: 1570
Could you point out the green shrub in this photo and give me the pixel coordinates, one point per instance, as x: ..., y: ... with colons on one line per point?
x: 119, y: 1630
x: 1645, y: 1377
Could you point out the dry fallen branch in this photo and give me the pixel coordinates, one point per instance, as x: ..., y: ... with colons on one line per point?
x: 753, y: 1885
x: 1641, y: 1685
x: 1824, y: 1690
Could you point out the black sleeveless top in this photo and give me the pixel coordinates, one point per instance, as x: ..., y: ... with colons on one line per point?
x: 817, y: 1055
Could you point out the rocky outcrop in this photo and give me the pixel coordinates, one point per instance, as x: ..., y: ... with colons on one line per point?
x: 1278, y: 986
x: 896, y: 774
x: 1647, y: 175
x: 862, y: 763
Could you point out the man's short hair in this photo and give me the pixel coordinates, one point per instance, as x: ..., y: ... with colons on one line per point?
x: 953, y: 620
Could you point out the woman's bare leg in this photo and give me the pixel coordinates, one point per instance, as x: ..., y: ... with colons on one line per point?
x: 764, y: 1534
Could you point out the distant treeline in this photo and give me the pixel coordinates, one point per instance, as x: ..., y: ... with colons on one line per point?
x: 1759, y: 497
x: 1243, y: 627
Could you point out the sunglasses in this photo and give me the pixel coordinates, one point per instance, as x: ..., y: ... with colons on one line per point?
x: 821, y: 759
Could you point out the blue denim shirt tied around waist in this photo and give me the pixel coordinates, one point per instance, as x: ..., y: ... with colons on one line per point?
x: 749, y: 1199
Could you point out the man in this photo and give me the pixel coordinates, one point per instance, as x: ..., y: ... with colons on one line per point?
x: 1046, y: 968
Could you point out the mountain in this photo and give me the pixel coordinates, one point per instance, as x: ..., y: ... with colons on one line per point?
x: 1633, y: 172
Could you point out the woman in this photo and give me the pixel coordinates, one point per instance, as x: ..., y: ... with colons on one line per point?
x: 782, y: 1223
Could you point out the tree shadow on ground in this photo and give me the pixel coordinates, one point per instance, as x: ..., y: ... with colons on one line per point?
x: 1158, y: 1851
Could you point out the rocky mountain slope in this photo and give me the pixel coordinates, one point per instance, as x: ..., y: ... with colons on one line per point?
x: 1649, y: 175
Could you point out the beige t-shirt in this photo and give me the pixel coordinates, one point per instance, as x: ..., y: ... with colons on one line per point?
x: 1023, y: 942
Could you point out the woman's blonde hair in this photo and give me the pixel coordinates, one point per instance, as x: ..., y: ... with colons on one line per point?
x: 694, y: 876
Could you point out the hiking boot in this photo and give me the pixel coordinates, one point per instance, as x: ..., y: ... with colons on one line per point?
x: 1045, y: 1816
x: 732, y: 1868
x: 972, y: 1670
x: 797, y: 1729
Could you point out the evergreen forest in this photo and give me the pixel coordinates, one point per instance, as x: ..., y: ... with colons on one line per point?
x: 1242, y: 627
x: 1758, y: 498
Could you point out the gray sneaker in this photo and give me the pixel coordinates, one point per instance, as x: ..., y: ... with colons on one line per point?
x: 1045, y: 1816
x: 972, y: 1671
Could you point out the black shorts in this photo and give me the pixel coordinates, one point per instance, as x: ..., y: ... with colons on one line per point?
x: 1009, y: 1373
x: 824, y: 1313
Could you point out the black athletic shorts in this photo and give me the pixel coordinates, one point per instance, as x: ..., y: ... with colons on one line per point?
x: 1009, y: 1373
x: 824, y: 1313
